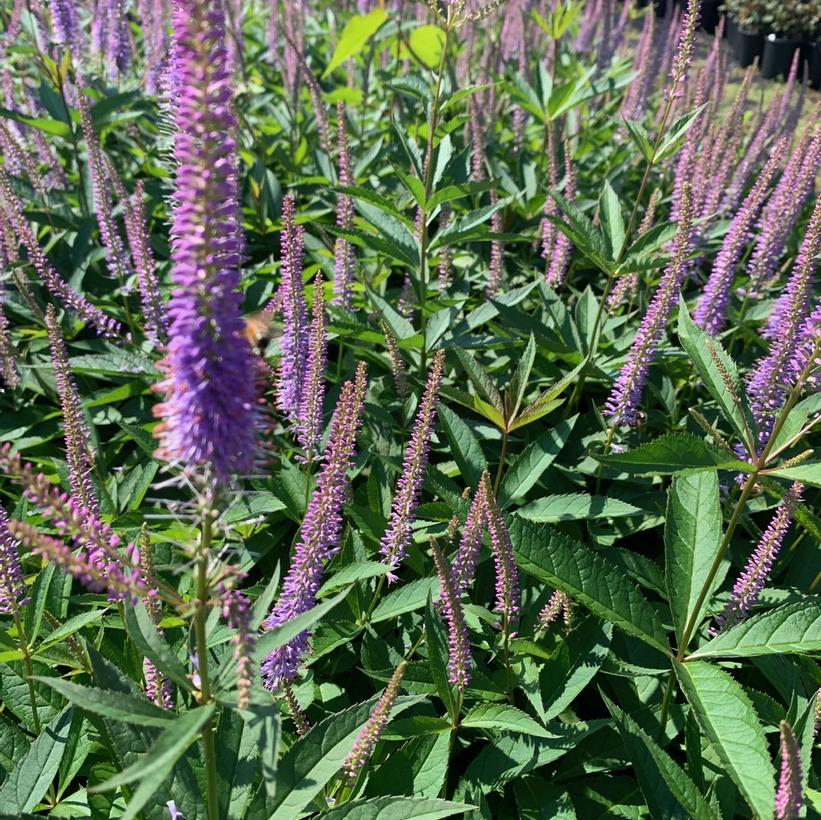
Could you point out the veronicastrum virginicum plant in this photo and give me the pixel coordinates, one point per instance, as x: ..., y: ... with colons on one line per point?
x: 345, y: 348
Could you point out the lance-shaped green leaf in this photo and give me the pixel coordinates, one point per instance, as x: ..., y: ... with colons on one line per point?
x: 612, y: 220
x: 28, y: 782
x: 502, y: 717
x: 789, y: 629
x: 359, y: 571
x: 547, y: 401
x: 718, y: 374
x: 518, y: 384
x: 667, y: 788
x: 673, y: 453
x: 523, y: 474
x: 575, y: 507
x: 675, y: 134
x: 692, y: 535
x: 437, y: 643
x: 728, y: 719
x: 407, y: 598
x: 151, y: 644
x: 358, y: 30
x: 479, y: 378
x: 106, y: 703
x: 589, y: 578
x: 397, y: 808
x: 465, y: 447
x: 588, y: 239
x: 312, y: 761
x: 461, y: 227
x: 805, y: 473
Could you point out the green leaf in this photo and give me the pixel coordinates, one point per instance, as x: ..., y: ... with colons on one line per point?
x: 28, y: 782
x: 789, y: 629
x: 397, y: 808
x: 358, y: 30
x: 312, y: 761
x: 587, y: 577
x: 153, y: 646
x: 523, y: 474
x: 668, y: 789
x: 805, y: 473
x: 502, y: 717
x: 564, y: 677
x: 280, y: 635
x: 426, y: 44
x: 394, y: 233
x: 479, y: 378
x: 727, y: 718
x: 718, y: 374
x: 673, y: 453
x: 455, y: 230
x: 437, y: 644
x: 612, y: 220
x: 546, y: 402
x: 106, y: 703
x: 638, y: 133
x: 575, y: 224
x: 518, y: 384
x: 675, y: 134
x: 71, y: 626
x: 692, y: 536
x: 359, y: 571
x: 575, y: 507
x: 464, y: 446
x: 408, y: 598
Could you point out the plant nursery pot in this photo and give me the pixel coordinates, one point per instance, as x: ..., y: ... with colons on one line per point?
x: 731, y: 32
x: 814, y: 63
x: 710, y: 15
x: 747, y: 46
x: 777, y: 56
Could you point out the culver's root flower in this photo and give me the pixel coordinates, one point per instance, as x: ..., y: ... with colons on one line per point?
x: 622, y: 405
x: 757, y: 570
x: 343, y: 250
x: 78, y: 451
x: 458, y: 636
x: 397, y: 537
x: 507, y: 574
x: 369, y: 736
x: 309, y: 423
x: 12, y: 587
x: 562, y: 245
x: 398, y: 369
x: 295, y: 331
x: 236, y: 609
x: 208, y: 414
x: 464, y: 562
x: 559, y: 603
x: 158, y: 689
x: 319, y: 534
x: 789, y: 799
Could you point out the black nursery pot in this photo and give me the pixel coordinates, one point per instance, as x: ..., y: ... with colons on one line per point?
x: 747, y: 46
x: 710, y: 15
x: 777, y: 57
x: 814, y: 62
x: 731, y: 32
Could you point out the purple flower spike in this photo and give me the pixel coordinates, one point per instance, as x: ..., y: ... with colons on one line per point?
x: 751, y: 581
x: 563, y: 245
x: 507, y: 575
x: 8, y: 369
x: 789, y: 799
x: 12, y: 587
x: 464, y: 562
x: 559, y: 603
x: 623, y: 402
x: 369, y: 736
x: 397, y: 537
x: 236, y: 609
x: 398, y: 369
x: 66, y: 23
x: 711, y: 312
x: 458, y: 637
x: 309, y: 424
x: 636, y: 98
x: 343, y: 250
x: 78, y: 451
x: 209, y: 414
x: 295, y: 331
x: 319, y: 535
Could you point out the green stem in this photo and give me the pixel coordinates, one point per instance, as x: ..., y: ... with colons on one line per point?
x: 501, y: 467
x: 209, y: 751
x: 24, y: 648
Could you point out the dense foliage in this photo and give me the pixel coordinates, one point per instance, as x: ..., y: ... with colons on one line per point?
x: 409, y: 411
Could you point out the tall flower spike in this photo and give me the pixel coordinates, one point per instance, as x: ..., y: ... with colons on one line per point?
x: 236, y: 609
x: 549, y: 230
x: 397, y: 537
x: 8, y: 369
x: 343, y: 250
x: 558, y: 603
x: 74, y: 424
x: 369, y: 736
x: 789, y: 799
x: 497, y: 252
x: 684, y: 53
x: 398, y: 369
x: 507, y: 575
x: 767, y: 384
x: 711, y: 312
x: 464, y: 562
x: 563, y: 245
x: 158, y: 689
x: 62, y: 291
x: 636, y: 98
x: 295, y: 331
x: 209, y: 412
x: 12, y: 587
x: 805, y: 365
x: 622, y: 405
x: 319, y: 534
x: 66, y: 23
x: 309, y: 423
x: 751, y: 581
x: 458, y: 636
